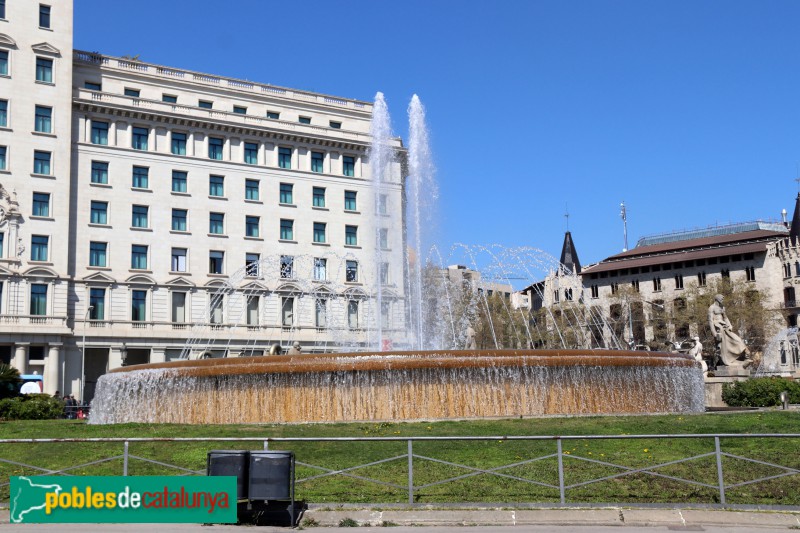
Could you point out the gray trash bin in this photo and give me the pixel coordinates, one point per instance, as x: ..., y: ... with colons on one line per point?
x: 271, y: 475
x: 230, y: 463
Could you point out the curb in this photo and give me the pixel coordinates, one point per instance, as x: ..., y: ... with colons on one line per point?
x: 326, y: 517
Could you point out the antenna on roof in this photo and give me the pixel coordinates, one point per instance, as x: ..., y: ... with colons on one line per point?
x: 624, y: 214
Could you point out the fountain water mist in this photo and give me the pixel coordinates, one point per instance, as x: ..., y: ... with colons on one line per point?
x: 781, y: 355
x: 381, y: 156
x: 422, y: 194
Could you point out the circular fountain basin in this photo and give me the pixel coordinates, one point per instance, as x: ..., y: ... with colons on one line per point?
x: 399, y: 386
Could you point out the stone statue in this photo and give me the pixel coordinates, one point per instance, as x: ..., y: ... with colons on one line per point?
x: 697, y: 352
x: 296, y: 349
x: 471, y: 344
x: 732, y: 349
x: 9, y: 206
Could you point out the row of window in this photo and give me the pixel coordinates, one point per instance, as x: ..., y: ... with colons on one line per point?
x: 724, y: 259
x: 98, y: 257
x: 140, y: 179
x: 207, y: 104
x: 98, y: 214
x: 44, y: 14
x: 178, y: 143
x: 43, y: 70
x: 42, y: 161
x: 179, y: 306
x: 43, y: 117
x: 750, y: 275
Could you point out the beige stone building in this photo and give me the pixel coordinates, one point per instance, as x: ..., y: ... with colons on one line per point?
x: 637, y: 288
x: 163, y: 213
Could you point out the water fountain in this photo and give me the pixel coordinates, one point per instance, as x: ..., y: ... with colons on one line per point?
x: 434, y: 378
x: 781, y: 355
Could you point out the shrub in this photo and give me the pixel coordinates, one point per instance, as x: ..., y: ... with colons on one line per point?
x: 759, y: 392
x: 31, y: 407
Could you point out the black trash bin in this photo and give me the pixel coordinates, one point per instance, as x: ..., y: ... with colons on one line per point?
x: 230, y: 463
x: 271, y: 478
x: 271, y: 475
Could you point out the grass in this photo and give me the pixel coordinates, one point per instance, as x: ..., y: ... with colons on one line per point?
x: 631, y: 488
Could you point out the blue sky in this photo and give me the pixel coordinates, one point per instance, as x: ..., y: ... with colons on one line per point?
x: 687, y: 111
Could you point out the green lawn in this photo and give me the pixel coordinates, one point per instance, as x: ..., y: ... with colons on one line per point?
x: 633, y: 488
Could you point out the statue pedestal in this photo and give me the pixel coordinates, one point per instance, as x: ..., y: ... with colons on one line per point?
x: 713, y: 385
x: 731, y: 371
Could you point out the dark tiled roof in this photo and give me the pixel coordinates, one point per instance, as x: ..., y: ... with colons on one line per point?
x: 688, y: 250
x: 794, y: 232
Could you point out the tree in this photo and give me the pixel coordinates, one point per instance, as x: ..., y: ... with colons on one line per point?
x: 744, y: 304
x: 9, y: 381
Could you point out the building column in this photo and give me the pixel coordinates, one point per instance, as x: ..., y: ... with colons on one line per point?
x: 84, y: 130
x: 117, y: 356
x: 190, y: 144
x: 20, y: 361
x: 52, y: 368
x: 226, y: 150
x: 357, y: 171
x: 326, y: 165
x: 262, y: 154
x: 336, y: 167
x: 116, y: 133
x: 158, y: 354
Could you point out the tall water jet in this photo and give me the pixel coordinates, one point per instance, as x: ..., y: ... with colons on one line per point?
x: 381, y: 156
x: 422, y: 194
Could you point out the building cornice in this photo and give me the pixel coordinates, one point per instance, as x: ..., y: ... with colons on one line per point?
x: 120, y: 106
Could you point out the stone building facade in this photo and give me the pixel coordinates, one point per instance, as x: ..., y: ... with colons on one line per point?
x: 635, y: 288
x: 182, y: 209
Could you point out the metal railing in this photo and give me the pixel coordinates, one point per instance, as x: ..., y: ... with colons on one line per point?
x: 558, y: 454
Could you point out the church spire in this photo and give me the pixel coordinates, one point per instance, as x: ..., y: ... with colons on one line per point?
x: 569, y: 256
x: 794, y: 231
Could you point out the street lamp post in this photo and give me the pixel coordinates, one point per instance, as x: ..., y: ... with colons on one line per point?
x: 83, y: 351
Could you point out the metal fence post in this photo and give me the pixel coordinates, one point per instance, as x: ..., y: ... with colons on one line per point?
x: 410, y: 472
x: 266, y: 445
x: 720, y: 479
x: 561, y: 489
x: 125, y: 459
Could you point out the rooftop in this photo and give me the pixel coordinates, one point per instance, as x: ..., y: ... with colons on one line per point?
x: 712, y: 231
x: 135, y: 65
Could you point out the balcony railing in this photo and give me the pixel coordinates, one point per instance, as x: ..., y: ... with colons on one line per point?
x: 33, y: 320
x: 216, y: 81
